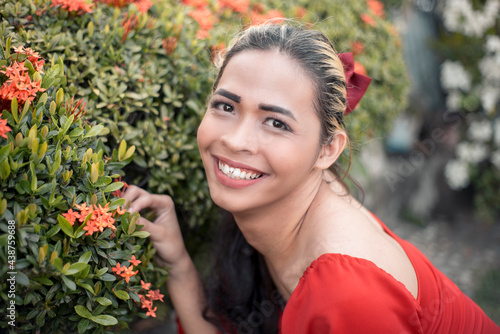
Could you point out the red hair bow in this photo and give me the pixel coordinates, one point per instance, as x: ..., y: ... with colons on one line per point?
x: 357, y: 84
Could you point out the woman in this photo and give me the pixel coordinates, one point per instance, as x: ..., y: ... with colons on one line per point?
x: 273, y: 128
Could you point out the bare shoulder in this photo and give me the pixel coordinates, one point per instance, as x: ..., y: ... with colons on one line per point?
x: 356, y: 233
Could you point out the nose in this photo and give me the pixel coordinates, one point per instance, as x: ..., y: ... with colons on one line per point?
x: 241, y: 138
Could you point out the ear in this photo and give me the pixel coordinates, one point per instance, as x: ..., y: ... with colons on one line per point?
x: 330, y: 152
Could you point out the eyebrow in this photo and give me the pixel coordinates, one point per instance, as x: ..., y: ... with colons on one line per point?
x: 286, y: 112
x: 229, y: 95
x: 265, y: 107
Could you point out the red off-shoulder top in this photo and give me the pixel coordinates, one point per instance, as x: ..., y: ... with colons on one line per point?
x: 346, y: 295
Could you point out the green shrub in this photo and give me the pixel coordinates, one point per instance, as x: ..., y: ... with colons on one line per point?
x: 57, y: 264
x: 137, y: 73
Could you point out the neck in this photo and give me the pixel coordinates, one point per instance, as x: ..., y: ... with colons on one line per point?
x: 274, y: 230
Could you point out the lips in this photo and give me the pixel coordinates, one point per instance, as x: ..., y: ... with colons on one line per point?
x: 235, y: 175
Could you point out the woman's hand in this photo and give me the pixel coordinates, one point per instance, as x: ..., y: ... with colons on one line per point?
x: 165, y: 231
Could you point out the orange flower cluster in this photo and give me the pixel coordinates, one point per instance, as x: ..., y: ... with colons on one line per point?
x: 33, y: 57
x: 169, y: 44
x: 376, y: 7
x: 366, y: 18
x: 148, y: 299
x: 357, y: 48
x: 3, y: 127
x: 75, y: 109
x: 359, y: 68
x: 124, y: 271
x: 205, y: 18
x: 101, y: 217
x: 79, y: 6
x: 240, y: 6
x: 128, y: 24
x: 19, y: 84
x: 259, y: 18
x: 119, y: 193
x: 142, y: 5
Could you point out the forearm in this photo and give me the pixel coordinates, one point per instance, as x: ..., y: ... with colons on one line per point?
x: 186, y: 292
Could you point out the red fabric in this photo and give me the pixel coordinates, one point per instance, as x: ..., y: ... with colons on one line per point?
x: 357, y: 83
x: 342, y: 294
x: 347, y: 295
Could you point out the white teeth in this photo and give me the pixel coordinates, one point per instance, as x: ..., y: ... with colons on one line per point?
x: 236, y: 173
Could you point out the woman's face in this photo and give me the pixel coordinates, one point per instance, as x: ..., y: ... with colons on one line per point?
x: 259, y: 139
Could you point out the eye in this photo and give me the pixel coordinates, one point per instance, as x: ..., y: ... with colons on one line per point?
x: 277, y: 124
x: 226, y: 107
x: 222, y: 106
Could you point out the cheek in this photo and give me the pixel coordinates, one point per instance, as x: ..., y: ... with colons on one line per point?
x: 204, y: 132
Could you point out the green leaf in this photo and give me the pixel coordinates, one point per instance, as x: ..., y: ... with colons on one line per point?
x: 22, y: 279
x: 94, y: 131
x: 102, y: 181
x: 76, y: 132
x: 113, y: 187
x: 103, y: 301
x: 122, y: 149
x: 87, y: 286
x: 53, y: 231
x: 116, y: 203
x: 83, y: 312
x: 132, y: 222
x: 58, y: 264
x: 123, y: 295
x: 65, y: 226
x: 44, y: 280
x: 29, y: 66
x: 108, y: 277
x: 85, y: 257
x: 119, y: 254
x: 50, y: 76
x: 141, y: 234
x: 105, y: 320
x: 68, y: 282
x: 65, y: 126
x: 80, y: 231
x: 75, y: 268
x: 14, y: 107
x: 4, y: 152
x: 83, y: 325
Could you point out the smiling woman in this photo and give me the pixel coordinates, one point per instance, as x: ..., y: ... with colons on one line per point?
x: 297, y: 254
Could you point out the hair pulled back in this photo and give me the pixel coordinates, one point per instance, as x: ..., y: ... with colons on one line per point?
x: 241, y: 296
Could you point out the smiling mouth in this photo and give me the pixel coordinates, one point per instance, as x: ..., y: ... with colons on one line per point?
x: 237, y: 173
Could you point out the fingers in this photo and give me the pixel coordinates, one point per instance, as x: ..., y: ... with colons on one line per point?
x: 155, y: 231
x: 133, y: 192
x: 140, y: 199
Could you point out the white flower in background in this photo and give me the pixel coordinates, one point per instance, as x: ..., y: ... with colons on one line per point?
x: 489, y: 67
x: 489, y: 97
x: 480, y: 131
x: 459, y: 16
x: 496, y: 126
x: 472, y: 152
x: 454, y: 76
x: 495, y: 159
x: 454, y: 100
x: 456, y: 173
x: 492, y: 44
